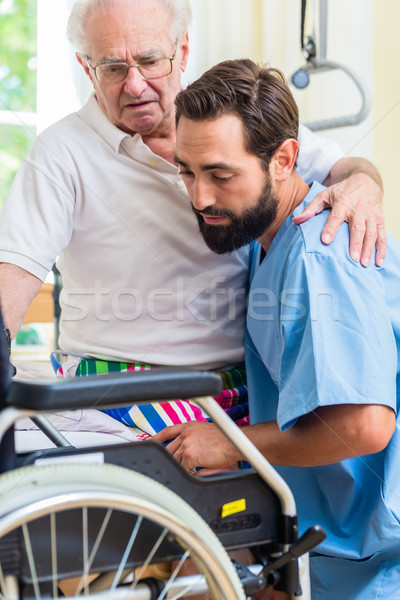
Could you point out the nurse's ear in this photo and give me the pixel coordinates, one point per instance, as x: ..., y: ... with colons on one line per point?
x: 283, y: 161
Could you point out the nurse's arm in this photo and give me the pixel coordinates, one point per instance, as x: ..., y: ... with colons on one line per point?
x: 17, y: 290
x: 327, y: 435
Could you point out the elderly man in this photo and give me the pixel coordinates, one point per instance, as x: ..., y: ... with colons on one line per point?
x: 100, y: 191
x: 322, y: 334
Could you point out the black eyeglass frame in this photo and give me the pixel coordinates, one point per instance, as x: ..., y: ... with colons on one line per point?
x: 135, y: 66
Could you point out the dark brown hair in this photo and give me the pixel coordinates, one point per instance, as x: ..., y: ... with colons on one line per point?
x: 257, y: 94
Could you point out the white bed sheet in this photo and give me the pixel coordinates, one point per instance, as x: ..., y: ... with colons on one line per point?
x: 31, y: 440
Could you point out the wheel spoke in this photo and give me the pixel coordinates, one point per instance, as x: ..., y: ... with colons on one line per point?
x: 184, y: 592
x: 174, y: 575
x: 126, y: 553
x: 93, y: 553
x: 149, y: 558
x: 31, y: 560
x: 2, y: 584
x: 11, y: 588
x: 53, y: 537
x: 85, y: 534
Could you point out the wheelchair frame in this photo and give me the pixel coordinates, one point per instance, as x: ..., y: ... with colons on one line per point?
x: 253, y: 508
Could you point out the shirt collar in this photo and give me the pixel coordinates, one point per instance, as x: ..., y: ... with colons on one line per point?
x: 93, y: 116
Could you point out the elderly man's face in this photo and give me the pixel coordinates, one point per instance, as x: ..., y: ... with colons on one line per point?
x: 131, y: 32
x: 231, y: 194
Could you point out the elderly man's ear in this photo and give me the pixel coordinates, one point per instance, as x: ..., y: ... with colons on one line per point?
x: 83, y: 61
x: 282, y: 163
x: 184, y: 47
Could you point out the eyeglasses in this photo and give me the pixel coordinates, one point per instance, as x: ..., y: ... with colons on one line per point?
x: 150, y: 68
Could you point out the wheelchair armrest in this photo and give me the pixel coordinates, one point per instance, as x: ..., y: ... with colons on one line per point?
x: 112, y: 389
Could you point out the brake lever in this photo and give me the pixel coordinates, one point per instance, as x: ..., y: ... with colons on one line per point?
x: 309, y: 540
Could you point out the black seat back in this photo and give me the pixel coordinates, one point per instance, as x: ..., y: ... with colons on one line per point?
x: 7, y: 453
x: 5, y: 371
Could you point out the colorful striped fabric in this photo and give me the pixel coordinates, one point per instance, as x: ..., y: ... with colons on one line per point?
x: 148, y: 419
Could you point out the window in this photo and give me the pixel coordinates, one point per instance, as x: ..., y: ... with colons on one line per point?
x: 18, y: 52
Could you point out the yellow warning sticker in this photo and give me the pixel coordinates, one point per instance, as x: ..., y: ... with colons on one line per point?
x: 232, y: 508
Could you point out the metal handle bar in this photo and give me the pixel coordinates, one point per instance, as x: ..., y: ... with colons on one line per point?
x: 320, y: 66
x: 250, y: 453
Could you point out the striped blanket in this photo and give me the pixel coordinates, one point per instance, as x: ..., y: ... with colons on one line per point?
x: 148, y: 419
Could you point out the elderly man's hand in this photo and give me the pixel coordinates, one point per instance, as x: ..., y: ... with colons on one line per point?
x: 199, y: 444
x: 356, y: 200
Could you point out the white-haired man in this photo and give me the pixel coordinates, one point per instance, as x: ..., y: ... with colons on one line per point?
x: 100, y: 191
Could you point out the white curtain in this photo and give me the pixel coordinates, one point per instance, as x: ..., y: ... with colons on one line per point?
x: 221, y: 30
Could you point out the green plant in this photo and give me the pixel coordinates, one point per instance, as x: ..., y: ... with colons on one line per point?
x: 18, y: 51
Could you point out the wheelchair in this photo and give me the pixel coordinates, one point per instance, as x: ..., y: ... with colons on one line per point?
x: 119, y: 521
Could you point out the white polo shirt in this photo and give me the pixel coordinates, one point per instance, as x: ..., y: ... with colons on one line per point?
x: 139, y: 284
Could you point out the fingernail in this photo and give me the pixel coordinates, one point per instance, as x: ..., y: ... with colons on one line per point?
x: 365, y: 262
x: 379, y: 262
x: 326, y: 238
x: 355, y: 256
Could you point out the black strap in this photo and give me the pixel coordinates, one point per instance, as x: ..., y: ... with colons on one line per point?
x: 308, y: 48
x: 303, y: 20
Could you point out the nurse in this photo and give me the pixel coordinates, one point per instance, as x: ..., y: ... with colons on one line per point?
x: 322, y: 338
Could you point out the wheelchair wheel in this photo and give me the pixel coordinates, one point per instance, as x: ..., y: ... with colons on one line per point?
x: 80, y: 530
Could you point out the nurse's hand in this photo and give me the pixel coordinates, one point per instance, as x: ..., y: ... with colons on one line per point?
x: 357, y: 200
x: 198, y: 444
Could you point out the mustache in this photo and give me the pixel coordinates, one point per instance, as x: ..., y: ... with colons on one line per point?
x: 128, y: 99
x: 213, y: 212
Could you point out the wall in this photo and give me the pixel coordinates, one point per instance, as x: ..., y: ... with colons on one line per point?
x: 386, y: 106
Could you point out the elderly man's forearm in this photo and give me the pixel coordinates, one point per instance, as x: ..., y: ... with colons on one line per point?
x: 17, y: 290
x: 348, y: 166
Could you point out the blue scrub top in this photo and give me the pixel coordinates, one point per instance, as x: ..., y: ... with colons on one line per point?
x: 322, y: 330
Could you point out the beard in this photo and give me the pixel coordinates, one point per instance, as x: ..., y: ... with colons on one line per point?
x: 243, y: 228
